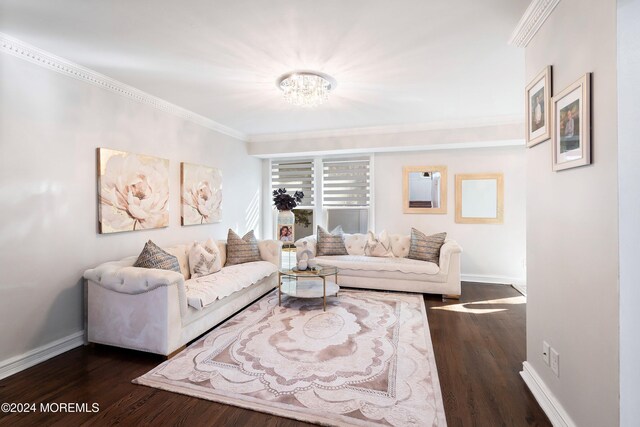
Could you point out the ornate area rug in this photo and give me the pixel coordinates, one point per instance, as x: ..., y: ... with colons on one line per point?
x: 367, y: 360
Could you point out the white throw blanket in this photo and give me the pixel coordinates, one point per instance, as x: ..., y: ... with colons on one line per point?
x: 205, y: 290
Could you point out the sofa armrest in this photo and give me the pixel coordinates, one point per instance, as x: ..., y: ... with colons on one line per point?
x: 271, y: 251
x: 311, y: 245
x: 136, y: 280
x: 450, y: 249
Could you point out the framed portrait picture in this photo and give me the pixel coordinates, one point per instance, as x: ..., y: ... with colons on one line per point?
x: 538, y: 99
x: 571, y: 110
x: 201, y: 194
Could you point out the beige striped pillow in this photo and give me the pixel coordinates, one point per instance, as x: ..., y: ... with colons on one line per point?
x: 330, y: 243
x: 242, y: 249
x: 426, y: 248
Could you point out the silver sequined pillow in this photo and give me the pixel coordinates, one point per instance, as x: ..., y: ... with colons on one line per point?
x: 152, y: 256
x: 426, y: 248
x: 242, y: 249
x: 330, y: 243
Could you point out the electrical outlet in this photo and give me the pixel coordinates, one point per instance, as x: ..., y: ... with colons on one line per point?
x: 545, y: 352
x: 555, y: 362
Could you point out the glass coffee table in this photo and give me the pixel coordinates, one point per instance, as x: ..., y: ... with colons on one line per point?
x: 308, y: 283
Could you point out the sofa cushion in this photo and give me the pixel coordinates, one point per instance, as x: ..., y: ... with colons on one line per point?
x: 242, y: 249
x: 330, y: 243
x: 355, y: 243
x: 180, y: 252
x: 378, y: 246
x: 362, y: 264
x: 205, y: 290
x: 204, y: 258
x: 400, y: 244
x: 426, y: 248
x: 152, y: 256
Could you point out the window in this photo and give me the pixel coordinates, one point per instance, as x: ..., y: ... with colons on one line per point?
x: 344, y: 185
x: 294, y: 175
x: 346, y: 193
x: 297, y: 175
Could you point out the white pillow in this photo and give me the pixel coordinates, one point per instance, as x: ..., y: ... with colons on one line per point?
x: 378, y: 246
x: 204, y: 258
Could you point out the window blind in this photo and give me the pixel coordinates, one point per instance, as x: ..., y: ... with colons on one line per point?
x: 346, y: 182
x: 294, y: 175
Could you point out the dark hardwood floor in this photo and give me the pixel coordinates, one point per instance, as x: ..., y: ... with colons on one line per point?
x: 479, y: 349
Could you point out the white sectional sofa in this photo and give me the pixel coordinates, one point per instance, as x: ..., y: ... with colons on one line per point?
x: 398, y: 273
x: 160, y: 311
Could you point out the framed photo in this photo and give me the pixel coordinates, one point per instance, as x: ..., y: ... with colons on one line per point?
x: 286, y: 233
x: 571, y: 110
x: 538, y: 100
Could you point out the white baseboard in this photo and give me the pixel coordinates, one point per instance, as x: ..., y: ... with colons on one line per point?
x: 26, y: 360
x: 499, y: 280
x: 547, y: 401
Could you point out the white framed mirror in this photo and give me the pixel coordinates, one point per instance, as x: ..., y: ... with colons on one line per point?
x: 425, y: 189
x: 480, y: 198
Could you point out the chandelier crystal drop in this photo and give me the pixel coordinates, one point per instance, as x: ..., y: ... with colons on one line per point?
x: 306, y: 88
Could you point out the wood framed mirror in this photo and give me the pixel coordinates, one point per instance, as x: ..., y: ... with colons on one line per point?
x: 480, y: 198
x: 424, y: 190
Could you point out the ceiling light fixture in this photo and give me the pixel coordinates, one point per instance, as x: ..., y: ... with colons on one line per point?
x: 306, y: 88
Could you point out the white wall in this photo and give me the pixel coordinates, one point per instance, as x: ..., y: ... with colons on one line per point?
x: 50, y: 126
x: 629, y: 193
x: 495, y: 251
x: 572, y: 223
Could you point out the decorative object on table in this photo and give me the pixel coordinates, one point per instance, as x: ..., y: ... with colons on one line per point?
x: 304, y: 257
x: 153, y: 256
x: 318, y: 367
x: 378, y: 246
x: 538, y: 108
x: 330, y: 243
x: 201, y: 194
x: 480, y: 198
x: 426, y: 248
x: 572, y: 125
x: 312, y: 264
x: 204, y: 258
x: 424, y: 190
x: 242, y: 249
x: 133, y: 191
x: 285, y: 203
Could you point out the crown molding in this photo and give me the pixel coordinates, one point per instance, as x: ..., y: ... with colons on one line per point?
x: 47, y: 60
x: 390, y: 129
x: 394, y: 149
x: 533, y: 18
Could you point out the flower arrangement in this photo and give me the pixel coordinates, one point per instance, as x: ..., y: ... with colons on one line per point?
x: 284, y: 201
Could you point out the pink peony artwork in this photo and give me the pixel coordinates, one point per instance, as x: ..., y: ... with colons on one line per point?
x: 133, y: 191
x: 201, y: 194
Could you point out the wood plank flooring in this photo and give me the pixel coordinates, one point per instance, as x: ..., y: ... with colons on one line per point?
x: 479, y: 349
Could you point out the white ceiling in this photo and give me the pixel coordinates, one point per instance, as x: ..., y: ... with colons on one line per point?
x: 396, y: 62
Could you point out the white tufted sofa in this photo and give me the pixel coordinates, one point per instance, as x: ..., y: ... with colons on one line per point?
x: 396, y: 274
x: 160, y: 311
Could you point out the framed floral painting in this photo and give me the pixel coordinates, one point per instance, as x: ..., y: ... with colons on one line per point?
x: 572, y: 125
x: 133, y: 191
x: 537, y: 108
x: 201, y: 194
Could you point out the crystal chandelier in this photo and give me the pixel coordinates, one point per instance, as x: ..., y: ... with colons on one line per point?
x: 306, y: 88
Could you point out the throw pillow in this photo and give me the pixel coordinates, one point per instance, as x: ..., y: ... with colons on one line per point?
x: 242, y: 249
x: 204, y: 258
x: 152, y: 256
x: 426, y: 248
x: 330, y: 243
x: 379, y: 246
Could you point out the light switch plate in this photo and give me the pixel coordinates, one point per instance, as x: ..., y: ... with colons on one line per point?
x: 555, y: 362
x: 545, y: 352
